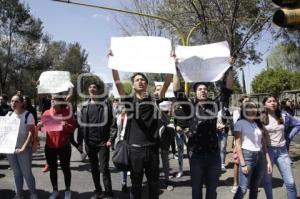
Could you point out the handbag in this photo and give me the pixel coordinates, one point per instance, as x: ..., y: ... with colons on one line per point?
x: 120, y: 157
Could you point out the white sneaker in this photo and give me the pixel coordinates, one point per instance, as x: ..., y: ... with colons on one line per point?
x: 223, y: 168
x: 67, y: 194
x: 179, y: 174
x: 234, y: 189
x: 54, y: 195
x: 33, y: 196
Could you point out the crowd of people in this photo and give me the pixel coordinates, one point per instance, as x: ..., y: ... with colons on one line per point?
x: 151, y: 124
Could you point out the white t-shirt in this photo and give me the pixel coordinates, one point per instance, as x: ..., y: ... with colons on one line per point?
x: 23, y: 131
x: 251, y: 135
x: 236, y: 115
x: 276, y: 133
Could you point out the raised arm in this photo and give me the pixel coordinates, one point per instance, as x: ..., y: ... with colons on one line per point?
x: 229, y: 76
x: 167, y: 82
x: 176, y: 81
x: 118, y: 83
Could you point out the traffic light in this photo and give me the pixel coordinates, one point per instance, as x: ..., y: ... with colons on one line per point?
x: 288, y: 15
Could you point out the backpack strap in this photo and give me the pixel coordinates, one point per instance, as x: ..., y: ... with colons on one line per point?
x: 26, y: 116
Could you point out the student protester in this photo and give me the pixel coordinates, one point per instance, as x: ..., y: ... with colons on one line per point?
x: 204, y: 152
x: 182, y: 129
x: 28, y: 106
x: 166, y: 137
x: 252, y: 150
x: 223, y: 129
x: 20, y: 161
x: 142, y: 133
x: 288, y: 106
x: 120, y: 126
x: 280, y: 126
x: 58, y: 142
x: 95, y: 121
x: 236, y: 117
x: 4, y: 107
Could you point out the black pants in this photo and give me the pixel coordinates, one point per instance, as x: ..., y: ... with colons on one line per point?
x: 173, y: 146
x: 64, y: 154
x: 144, y: 160
x: 100, y: 155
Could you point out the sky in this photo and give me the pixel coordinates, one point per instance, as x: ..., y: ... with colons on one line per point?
x: 93, y: 28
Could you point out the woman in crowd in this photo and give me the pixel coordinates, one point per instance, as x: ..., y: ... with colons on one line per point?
x: 236, y: 117
x: 250, y: 138
x: 20, y: 161
x: 58, y: 143
x: 280, y: 126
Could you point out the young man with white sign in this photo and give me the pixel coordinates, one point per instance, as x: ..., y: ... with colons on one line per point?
x: 142, y: 133
x: 204, y: 155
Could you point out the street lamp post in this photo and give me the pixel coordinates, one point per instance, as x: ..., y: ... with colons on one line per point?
x: 243, y: 80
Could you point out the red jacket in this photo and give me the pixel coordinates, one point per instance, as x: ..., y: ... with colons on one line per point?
x: 57, y: 139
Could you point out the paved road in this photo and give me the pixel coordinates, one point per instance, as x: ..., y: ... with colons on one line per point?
x: 82, y: 185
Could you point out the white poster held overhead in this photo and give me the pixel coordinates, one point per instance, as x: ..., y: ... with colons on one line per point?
x: 142, y: 54
x: 9, y: 130
x: 54, y: 82
x: 206, y: 63
x: 170, y: 92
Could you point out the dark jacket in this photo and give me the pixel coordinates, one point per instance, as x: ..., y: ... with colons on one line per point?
x: 105, y: 113
x: 202, y: 135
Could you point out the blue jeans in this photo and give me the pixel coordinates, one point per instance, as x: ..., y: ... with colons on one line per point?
x: 222, y: 137
x: 256, y: 163
x: 205, y: 168
x: 280, y: 156
x: 181, y: 140
x: 21, y: 166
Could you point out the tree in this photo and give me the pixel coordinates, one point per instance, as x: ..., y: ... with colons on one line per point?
x: 240, y: 22
x: 275, y: 81
x: 19, y: 44
x: 285, y: 55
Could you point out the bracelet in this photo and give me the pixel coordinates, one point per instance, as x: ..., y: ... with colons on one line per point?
x: 244, y: 165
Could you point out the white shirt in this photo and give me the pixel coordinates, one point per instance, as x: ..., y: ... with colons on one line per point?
x: 23, y: 131
x: 276, y: 133
x: 251, y: 135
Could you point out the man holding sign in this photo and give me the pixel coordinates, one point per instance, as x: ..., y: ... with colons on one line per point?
x: 204, y: 155
x: 141, y: 133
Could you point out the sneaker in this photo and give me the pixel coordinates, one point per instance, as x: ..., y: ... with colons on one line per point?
x: 54, y: 195
x: 124, y: 188
x: 33, y: 196
x: 175, y: 157
x: 97, y: 195
x: 68, y: 194
x: 46, y: 168
x: 179, y: 174
x: 17, y: 196
x: 234, y: 188
x: 83, y: 156
x: 170, y: 188
x: 108, y: 195
x: 223, y: 168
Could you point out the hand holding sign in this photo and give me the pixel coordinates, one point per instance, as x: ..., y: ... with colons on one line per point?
x: 51, y: 123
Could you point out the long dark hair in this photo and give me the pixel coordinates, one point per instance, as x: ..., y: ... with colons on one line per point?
x: 248, y: 105
x: 265, y: 115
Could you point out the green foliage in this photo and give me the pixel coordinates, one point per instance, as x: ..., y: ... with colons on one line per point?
x: 25, y: 51
x: 275, y: 81
x: 285, y: 55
